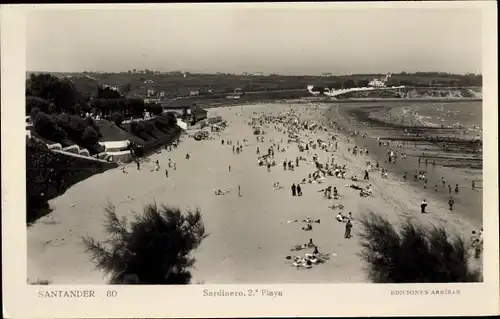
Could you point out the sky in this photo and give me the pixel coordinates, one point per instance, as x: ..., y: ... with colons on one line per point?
x: 231, y: 39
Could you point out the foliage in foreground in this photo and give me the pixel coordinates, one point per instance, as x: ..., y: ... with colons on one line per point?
x: 154, y: 250
x: 415, y: 254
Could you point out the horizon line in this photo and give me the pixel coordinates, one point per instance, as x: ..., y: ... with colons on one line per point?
x: 263, y: 73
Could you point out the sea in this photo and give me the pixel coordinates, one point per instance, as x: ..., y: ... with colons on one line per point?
x: 463, y: 114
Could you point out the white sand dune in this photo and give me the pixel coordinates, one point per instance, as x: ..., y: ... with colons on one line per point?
x: 248, y: 240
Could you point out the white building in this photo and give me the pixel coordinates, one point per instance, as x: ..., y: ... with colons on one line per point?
x: 379, y: 82
x: 151, y: 92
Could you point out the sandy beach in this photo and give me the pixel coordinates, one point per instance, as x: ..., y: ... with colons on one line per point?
x: 249, y: 236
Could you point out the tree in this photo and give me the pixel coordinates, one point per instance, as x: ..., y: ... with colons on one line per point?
x: 47, y: 127
x: 61, y: 92
x: 136, y: 106
x: 154, y: 250
x: 33, y: 102
x: 107, y: 93
x: 362, y: 83
x: 414, y: 255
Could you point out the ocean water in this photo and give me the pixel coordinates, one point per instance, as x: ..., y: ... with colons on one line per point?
x: 450, y: 114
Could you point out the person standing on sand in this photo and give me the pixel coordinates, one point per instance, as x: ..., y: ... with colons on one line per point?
x: 239, y: 190
x: 449, y: 188
x: 423, y: 206
x: 456, y: 188
x: 367, y: 177
x: 436, y: 188
x: 443, y: 182
x: 294, y: 189
x: 138, y: 165
x: 166, y: 173
x: 229, y: 167
x: 299, y: 190
x: 451, y: 201
x: 258, y: 150
x: 405, y: 176
x: 473, y: 185
x: 297, y: 162
x: 425, y: 183
x: 284, y: 165
x: 348, y: 227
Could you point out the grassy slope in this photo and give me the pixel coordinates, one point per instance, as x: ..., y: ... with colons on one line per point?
x: 111, y: 132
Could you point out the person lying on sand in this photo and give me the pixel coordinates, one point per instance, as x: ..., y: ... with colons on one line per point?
x: 309, y: 220
x: 310, y: 244
x: 364, y: 193
x: 221, y: 192
x: 277, y: 186
x: 307, y: 227
x: 336, y: 206
x: 340, y: 218
x: 354, y: 186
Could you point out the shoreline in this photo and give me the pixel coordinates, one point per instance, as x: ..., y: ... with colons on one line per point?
x: 324, y: 99
x: 468, y: 203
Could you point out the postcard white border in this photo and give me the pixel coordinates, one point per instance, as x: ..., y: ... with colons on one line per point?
x: 21, y: 301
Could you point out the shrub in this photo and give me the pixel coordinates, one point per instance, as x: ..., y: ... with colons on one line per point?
x: 47, y: 127
x: 154, y: 249
x: 33, y: 102
x: 117, y: 118
x: 89, y: 136
x: 138, y: 129
x: 90, y: 122
x: 414, y: 255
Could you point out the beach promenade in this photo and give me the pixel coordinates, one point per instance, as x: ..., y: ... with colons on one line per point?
x: 249, y: 236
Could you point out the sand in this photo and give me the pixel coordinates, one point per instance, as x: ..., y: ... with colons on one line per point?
x: 249, y: 237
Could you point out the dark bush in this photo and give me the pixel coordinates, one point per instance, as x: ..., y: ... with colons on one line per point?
x: 117, y: 118
x: 89, y: 136
x: 138, y: 129
x: 90, y: 122
x: 414, y: 255
x: 47, y: 127
x: 33, y: 102
x: 136, y: 106
x: 154, y: 250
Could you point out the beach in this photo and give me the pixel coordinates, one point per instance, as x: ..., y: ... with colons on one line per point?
x: 249, y: 235
x: 452, y: 167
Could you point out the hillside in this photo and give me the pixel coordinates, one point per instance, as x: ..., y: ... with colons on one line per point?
x: 176, y: 84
